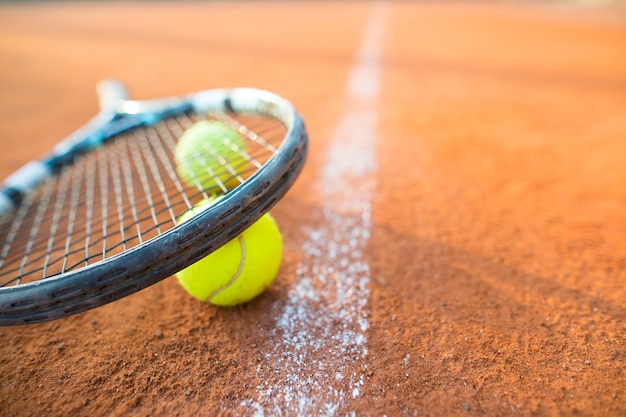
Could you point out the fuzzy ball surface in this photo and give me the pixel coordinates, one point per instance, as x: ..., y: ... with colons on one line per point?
x: 210, y: 155
x: 238, y: 271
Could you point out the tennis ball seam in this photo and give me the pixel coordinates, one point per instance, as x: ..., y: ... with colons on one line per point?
x: 235, y: 277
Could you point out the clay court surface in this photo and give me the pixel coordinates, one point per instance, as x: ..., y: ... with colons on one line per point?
x: 455, y: 246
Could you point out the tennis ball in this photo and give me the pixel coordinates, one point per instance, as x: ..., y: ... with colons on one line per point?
x: 209, y: 155
x: 238, y: 271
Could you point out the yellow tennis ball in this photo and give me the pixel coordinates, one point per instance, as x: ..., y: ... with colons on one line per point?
x: 209, y: 154
x: 238, y: 271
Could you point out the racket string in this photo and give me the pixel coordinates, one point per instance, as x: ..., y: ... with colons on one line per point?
x: 118, y: 196
x: 77, y: 185
x: 90, y: 189
x: 104, y: 202
x: 40, y: 216
x: 157, y: 137
x: 138, y: 156
x: 177, y: 126
x: 11, y: 237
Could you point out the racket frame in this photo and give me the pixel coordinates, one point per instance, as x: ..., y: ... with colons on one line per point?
x: 164, y: 255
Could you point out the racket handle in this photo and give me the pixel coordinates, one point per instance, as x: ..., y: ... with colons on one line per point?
x: 111, y: 93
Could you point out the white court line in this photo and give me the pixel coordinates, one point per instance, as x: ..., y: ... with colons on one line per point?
x: 320, y: 341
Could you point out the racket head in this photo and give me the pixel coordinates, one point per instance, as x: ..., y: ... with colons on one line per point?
x: 105, y: 224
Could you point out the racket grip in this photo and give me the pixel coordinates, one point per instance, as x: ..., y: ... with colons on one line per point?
x: 111, y: 93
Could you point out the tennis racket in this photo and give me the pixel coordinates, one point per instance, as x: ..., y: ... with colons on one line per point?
x: 98, y: 218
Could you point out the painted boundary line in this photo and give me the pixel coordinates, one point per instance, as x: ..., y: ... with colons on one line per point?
x: 318, y: 360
